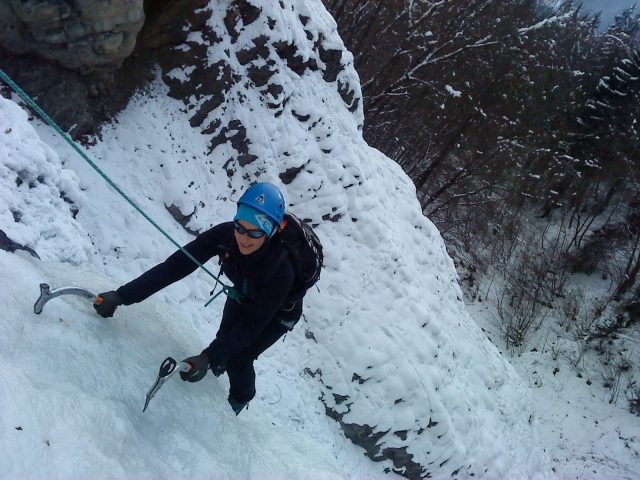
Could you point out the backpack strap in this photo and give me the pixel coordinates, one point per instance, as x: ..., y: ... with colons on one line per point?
x: 224, y: 257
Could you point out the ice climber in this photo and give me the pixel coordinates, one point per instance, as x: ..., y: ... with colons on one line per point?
x: 262, y: 273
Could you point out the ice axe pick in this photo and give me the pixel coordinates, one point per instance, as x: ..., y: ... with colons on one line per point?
x: 47, y: 294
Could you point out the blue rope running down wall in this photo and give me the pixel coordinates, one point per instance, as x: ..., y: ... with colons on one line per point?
x: 227, y: 290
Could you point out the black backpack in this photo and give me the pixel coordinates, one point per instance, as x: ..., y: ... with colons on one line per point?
x: 305, y: 253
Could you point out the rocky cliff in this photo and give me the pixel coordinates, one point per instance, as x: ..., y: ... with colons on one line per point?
x: 83, y: 60
x: 84, y: 36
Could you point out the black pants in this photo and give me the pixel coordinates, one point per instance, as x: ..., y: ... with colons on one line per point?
x: 242, y: 376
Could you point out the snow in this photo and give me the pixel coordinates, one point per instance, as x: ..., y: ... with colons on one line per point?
x: 586, y: 436
x: 453, y: 92
x: 73, y: 389
x: 387, y: 328
x: 544, y: 23
x: 77, y: 381
x: 40, y: 219
x: 73, y: 382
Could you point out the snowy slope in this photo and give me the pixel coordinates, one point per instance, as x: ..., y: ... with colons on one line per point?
x: 386, y: 346
x: 73, y: 389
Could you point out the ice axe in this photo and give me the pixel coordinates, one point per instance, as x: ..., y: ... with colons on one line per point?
x: 168, y: 367
x: 47, y: 294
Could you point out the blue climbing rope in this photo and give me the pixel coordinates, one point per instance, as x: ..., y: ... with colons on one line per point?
x: 227, y: 290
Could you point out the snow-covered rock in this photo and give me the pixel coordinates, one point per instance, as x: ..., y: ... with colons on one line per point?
x: 38, y: 196
x: 386, y: 348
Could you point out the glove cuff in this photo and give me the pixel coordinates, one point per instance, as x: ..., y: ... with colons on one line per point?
x: 118, y: 299
x: 216, y: 366
x: 122, y: 300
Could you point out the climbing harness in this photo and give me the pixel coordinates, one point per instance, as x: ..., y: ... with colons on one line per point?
x: 226, y: 289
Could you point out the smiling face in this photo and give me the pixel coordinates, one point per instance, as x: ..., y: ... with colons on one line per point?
x: 246, y: 244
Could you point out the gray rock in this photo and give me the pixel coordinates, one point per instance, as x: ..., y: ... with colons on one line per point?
x: 10, y: 246
x: 182, y: 219
x: 79, y: 83
x: 86, y: 36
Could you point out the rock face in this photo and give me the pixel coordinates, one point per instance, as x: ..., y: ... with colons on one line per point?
x: 86, y: 36
x: 83, y: 60
x: 258, y: 63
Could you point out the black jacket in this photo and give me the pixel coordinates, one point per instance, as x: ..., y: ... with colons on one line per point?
x: 264, y: 280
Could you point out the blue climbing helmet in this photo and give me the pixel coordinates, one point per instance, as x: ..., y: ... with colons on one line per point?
x: 265, y: 204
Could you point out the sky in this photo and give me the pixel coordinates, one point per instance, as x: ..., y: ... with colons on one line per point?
x: 385, y: 341
x: 609, y: 8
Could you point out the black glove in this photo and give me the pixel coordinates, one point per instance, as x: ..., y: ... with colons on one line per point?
x: 106, y: 303
x: 199, y: 365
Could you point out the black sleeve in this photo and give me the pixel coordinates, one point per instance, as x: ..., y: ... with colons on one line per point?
x: 176, y: 267
x: 249, y: 319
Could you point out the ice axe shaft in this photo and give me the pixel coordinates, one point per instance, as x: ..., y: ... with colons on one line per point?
x: 47, y: 294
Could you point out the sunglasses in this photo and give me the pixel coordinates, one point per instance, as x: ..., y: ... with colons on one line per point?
x: 245, y: 231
